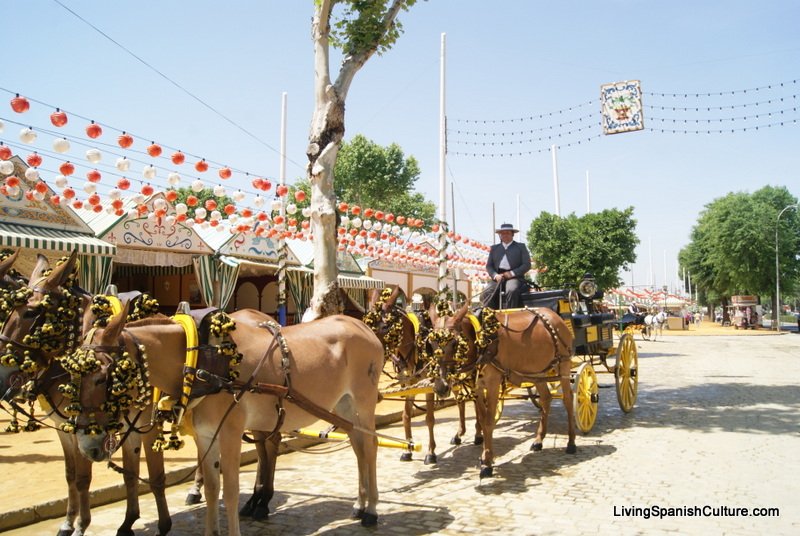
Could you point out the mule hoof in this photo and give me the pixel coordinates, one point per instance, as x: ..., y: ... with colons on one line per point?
x: 478, y: 440
x: 125, y: 532
x: 405, y: 457
x: 358, y: 513
x: 65, y: 532
x: 486, y: 471
x: 536, y: 447
x: 430, y: 458
x: 455, y: 441
x: 260, y: 513
x: 571, y: 448
x: 369, y: 520
x: 193, y: 498
x: 246, y: 510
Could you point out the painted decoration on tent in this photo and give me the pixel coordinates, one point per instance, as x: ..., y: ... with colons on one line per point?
x: 621, y: 105
x: 262, y: 248
x: 152, y: 233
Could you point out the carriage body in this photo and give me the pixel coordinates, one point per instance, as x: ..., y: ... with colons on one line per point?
x: 594, y: 349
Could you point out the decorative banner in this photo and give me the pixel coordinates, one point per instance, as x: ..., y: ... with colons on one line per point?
x: 621, y: 106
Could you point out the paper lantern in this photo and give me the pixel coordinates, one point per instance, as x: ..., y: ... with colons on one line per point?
x: 94, y: 175
x: 34, y: 159
x: 192, y: 201
x: 225, y: 173
x: 125, y: 140
x: 60, y: 181
x: 210, y: 204
x: 154, y: 150
x: 94, y: 156
x: 197, y: 186
x: 291, y: 208
x: 5, y: 152
x: 173, y: 179
x: 219, y: 190
x: 32, y: 174
x: 61, y: 145
x: 93, y: 130
x: 7, y: 168
x: 149, y: 172
x: 123, y: 164
x: 89, y: 188
x: 238, y: 196
x: 201, y: 166
x: 20, y: 104
x: 27, y: 135
x: 66, y: 168
x: 147, y: 190
x: 123, y: 184
x: 58, y: 118
x: 178, y: 158
x: 299, y: 196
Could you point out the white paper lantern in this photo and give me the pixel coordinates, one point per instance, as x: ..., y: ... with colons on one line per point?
x: 189, y: 222
x: 138, y: 198
x: 2, y: 126
x: 27, y: 135
x: 61, y: 145
x: 356, y: 222
x: 133, y: 213
x: 216, y: 215
x: 37, y: 195
x: 149, y: 172
x: 367, y: 224
x: 160, y: 204
x: 114, y: 194
x: 173, y: 179
x: 306, y: 212
x: 233, y: 218
x: 377, y: 226
x: 181, y: 208
x: 200, y: 213
x: 258, y: 201
x: 291, y: 208
x: 32, y: 174
x: 276, y: 205
x: 219, y: 190
x: 94, y: 156
x: 13, y: 191
x: 344, y: 221
x: 238, y: 196
x: 170, y: 220
x: 197, y: 186
x: 61, y: 182
x: 123, y: 164
x: 90, y: 188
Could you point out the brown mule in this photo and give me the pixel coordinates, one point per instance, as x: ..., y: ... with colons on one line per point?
x: 333, y: 364
x: 525, y: 346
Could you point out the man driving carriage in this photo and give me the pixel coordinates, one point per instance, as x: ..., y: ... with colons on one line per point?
x: 507, y: 265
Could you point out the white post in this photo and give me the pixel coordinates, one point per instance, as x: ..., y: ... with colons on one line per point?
x: 555, y: 180
x: 588, y: 195
x: 777, y: 271
x: 442, y: 170
x: 281, y: 241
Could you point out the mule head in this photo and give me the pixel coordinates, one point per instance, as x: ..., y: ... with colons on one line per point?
x: 448, y: 348
x: 108, y: 377
x: 43, y: 322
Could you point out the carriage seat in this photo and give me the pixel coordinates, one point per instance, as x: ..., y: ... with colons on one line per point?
x: 544, y: 298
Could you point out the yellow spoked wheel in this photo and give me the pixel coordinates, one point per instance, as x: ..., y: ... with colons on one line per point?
x: 626, y: 373
x: 586, y: 397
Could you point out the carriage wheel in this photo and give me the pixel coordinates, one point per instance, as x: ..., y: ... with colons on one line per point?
x: 586, y: 397
x: 626, y: 373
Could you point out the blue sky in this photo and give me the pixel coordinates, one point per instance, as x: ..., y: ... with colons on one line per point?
x: 505, y: 60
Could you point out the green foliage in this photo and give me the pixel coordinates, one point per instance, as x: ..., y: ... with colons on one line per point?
x: 600, y: 243
x: 358, y: 25
x: 382, y: 178
x: 733, y: 244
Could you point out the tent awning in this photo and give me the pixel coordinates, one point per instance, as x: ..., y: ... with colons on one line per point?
x: 347, y: 281
x: 24, y: 236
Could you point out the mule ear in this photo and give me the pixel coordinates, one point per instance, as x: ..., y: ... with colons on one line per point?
x: 42, y: 265
x: 6, y: 263
x: 115, y: 326
x: 61, y: 272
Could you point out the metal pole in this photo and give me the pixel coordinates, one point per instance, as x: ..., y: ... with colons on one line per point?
x: 442, y: 135
x: 555, y: 180
x: 588, y: 195
x: 281, y: 240
x: 777, y: 270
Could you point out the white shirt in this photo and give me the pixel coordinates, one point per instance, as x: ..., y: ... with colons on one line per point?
x: 504, y: 264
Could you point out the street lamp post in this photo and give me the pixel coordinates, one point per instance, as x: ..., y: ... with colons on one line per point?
x: 777, y: 269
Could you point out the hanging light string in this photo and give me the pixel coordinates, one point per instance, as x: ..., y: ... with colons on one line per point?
x: 544, y: 115
x: 704, y: 94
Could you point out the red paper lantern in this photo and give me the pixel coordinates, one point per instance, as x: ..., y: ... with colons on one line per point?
x: 93, y: 199
x: 68, y: 193
x: 123, y: 184
x: 29, y: 195
x: 257, y: 183
x: 210, y: 204
x: 225, y: 173
x: 154, y: 150
x: 229, y: 209
x: 94, y: 176
x: 246, y: 213
x: 266, y: 185
x: 66, y: 169
x: 299, y: 196
x: 368, y: 212
x: 116, y: 204
x: 147, y: 190
x: 40, y: 187
x: 201, y: 166
x: 97, y: 208
x: 171, y: 196
x: 278, y: 220
x: 180, y: 218
x: 55, y: 200
x: 125, y: 140
x: 262, y: 216
x: 12, y: 181
x: 356, y: 210
x: 192, y: 201
x: 58, y: 118
x: 401, y: 220
x: 20, y: 104
x: 178, y: 158
x: 343, y: 207
x: 5, y: 152
x: 77, y: 204
x: 34, y: 160
x: 389, y: 218
x: 282, y: 190
x: 93, y: 130
x: 378, y: 215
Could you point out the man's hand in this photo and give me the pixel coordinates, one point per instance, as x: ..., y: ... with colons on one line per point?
x: 498, y: 277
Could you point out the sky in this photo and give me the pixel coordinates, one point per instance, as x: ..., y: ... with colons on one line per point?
x: 208, y: 78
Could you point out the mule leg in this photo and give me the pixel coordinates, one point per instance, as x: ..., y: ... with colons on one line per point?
x: 230, y: 445
x: 430, y: 420
x: 209, y: 453
x: 545, y: 398
x: 488, y: 395
x: 462, y: 423
x: 365, y: 447
x: 478, y: 430
x: 566, y: 388
x: 408, y: 410
x: 71, y: 460
x: 157, y: 477
x: 82, y: 479
x: 131, y: 453
x: 258, y: 505
x: 195, y: 495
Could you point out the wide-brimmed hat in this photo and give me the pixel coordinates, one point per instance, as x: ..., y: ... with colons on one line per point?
x: 507, y: 227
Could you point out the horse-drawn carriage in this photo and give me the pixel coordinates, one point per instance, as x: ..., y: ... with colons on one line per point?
x: 593, y: 350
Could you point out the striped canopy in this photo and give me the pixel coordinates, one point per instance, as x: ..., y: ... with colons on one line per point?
x: 24, y: 236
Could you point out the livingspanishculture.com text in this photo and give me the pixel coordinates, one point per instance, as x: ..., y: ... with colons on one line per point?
x: 656, y: 511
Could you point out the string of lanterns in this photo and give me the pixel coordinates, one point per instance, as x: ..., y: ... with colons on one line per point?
x: 111, y: 188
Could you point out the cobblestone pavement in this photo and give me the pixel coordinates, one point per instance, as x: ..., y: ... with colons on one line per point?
x: 717, y: 424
